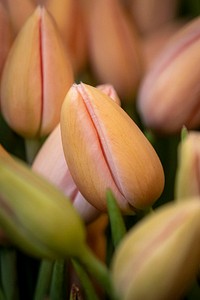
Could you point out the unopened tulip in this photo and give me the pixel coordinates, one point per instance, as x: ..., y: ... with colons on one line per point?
x: 36, y: 78
x: 69, y: 18
x: 50, y: 162
x: 168, y: 97
x: 159, y: 258
x: 19, y: 11
x: 6, y: 36
x: 104, y: 149
x: 150, y: 15
x: 35, y: 216
x: 187, y: 176
x: 114, y: 47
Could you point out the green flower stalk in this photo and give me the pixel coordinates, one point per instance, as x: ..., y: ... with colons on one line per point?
x: 41, y: 220
x: 35, y: 215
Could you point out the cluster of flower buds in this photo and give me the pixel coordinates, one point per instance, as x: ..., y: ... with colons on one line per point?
x: 138, y: 68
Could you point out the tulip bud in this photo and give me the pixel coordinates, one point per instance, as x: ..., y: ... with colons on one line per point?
x: 150, y: 15
x: 166, y: 107
x: 19, y: 11
x: 159, y: 258
x: 35, y: 215
x: 114, y: 47
x: 104, y: 149
x: 187, y: 176
x: 50, y: 162
x: 109, y: 90
x: 68, y: 15
x: 5, y: 36
x: 36, y: 77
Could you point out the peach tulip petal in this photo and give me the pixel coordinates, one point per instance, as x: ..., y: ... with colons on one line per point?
x: 103, y: 133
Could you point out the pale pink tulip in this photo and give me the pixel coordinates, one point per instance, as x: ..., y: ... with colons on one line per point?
x: 150, y: 15
x: 169, y: 94
x: 6, y: 36
x: 159, y: 257
x: 36, y: 77
x: 50, y: 162
x: 104, y: 149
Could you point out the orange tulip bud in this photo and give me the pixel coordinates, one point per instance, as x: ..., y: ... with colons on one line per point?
x: 114, y: 47
x: 19, y: 11
x: 68, y: 15
x: 36, y: 77
x: 105, y: 149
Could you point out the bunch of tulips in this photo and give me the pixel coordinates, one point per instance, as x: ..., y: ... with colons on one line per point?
x: 99, y: 149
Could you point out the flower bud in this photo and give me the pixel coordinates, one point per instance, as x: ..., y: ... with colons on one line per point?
x: 19, y: 11
x: 50, y: 162
x: 104, y: 149
x: 36, y: 78
x: 69, y: 18
x: 35, y: 216
x: 187, y: 176
x: 150, y: 15
x: 159, y: 257
x: 6, y: 36
x: 166, y: 107
x: 114, y: 47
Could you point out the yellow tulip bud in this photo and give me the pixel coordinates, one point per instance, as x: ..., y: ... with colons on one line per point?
x: 187, y: 176
x: 104, y: 149
x: 36, y: 77
x: 159, y: 258
x: 34, y: 215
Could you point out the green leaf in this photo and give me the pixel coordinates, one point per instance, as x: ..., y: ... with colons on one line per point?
x: 118, y: 229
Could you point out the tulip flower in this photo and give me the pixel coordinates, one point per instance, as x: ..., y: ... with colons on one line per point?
x: 50, y: 162
x: 159, y: 257
x: 40, y: 220
x: 168, y: 97
x: 35, y: 215
x: 104, y: 149
x: 114, y: 47
x: 36, y: 77
x: 187, y: 176
x: 154, y: 43
x: 19, y: 11
x: 69, y: 18
x: 150, y: 15
x: 6, y: 36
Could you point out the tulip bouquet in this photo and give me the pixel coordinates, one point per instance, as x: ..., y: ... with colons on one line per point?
x: 99, y: 149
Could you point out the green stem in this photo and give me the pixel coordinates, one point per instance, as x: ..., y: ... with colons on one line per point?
x: 57, y: 282
x: 118, y: 228
x: 97, y: 269
x: 32, y: 146
x: 9, y: 274
x: 44, y: 278
x: 88, y: 288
